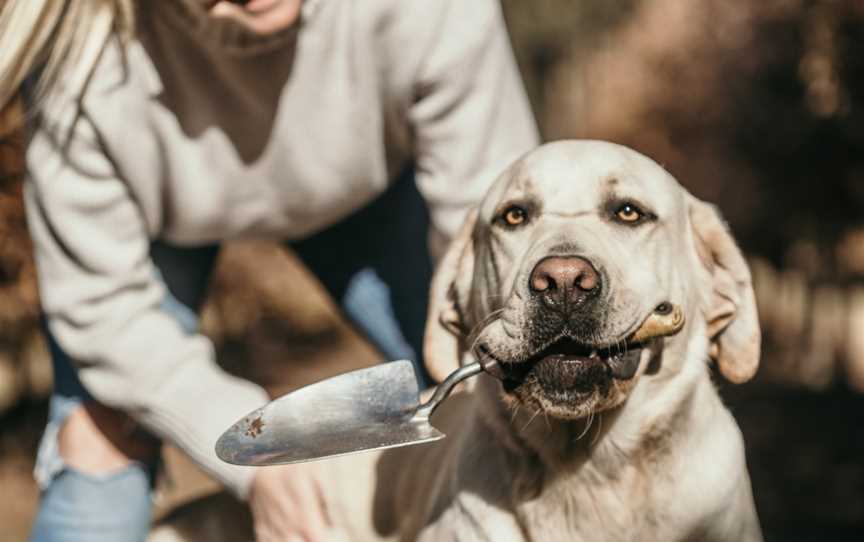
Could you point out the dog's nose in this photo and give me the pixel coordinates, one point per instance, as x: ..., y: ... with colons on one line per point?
x: 561, y: 281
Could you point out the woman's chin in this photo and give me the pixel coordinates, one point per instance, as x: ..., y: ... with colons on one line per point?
x: 262, y: 17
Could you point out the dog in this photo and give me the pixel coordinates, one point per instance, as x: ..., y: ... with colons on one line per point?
x: 585, y: 435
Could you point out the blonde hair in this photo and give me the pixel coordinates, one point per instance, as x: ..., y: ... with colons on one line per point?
x: 62, y: 39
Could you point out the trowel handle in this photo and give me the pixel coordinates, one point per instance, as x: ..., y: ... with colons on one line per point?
x: 492, y: 367
x: 443, y: 390
x: 667, y: 319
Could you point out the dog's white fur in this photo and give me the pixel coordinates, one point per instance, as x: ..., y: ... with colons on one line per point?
x: 660, y: 458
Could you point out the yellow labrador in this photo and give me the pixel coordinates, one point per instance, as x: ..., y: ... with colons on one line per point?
x: 587, y: 437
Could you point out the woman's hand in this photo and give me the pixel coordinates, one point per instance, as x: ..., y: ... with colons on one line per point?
x: 288, y: 505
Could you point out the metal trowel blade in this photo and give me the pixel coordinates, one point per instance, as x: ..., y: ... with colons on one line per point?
x: 367, y: 409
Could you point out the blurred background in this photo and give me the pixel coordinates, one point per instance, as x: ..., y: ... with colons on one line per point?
x: 755, y: 106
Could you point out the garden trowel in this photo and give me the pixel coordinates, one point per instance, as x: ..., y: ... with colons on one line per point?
x: 367, y: 409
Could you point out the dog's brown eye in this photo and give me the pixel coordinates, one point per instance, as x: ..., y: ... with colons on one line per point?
x: 629, y: 213
x: 514, y: 216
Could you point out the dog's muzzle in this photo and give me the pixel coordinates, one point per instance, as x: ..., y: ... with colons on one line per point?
x: 569, y: 364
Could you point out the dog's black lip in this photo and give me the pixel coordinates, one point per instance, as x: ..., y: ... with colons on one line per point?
x: 617, y: 358
x: 510, y: 367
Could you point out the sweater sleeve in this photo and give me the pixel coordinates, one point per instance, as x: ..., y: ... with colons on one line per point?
x: 102, y: 300
x: 471, y: 115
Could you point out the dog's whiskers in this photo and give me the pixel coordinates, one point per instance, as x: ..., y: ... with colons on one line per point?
x: 599, y: 429
x: 474, y: 334
x: 587, y: 426
x: 515, y: 413
x: 531, y: 420
x: 488, y: 319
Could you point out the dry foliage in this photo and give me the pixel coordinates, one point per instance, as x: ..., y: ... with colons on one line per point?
x: 755, y: 106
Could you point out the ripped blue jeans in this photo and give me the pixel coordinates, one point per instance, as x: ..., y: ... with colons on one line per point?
x: 381, y: 280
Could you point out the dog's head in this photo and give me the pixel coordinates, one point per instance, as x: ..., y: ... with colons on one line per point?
x: 574, y: 246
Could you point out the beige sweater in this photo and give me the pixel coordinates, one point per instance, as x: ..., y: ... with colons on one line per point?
x: 201, y: 133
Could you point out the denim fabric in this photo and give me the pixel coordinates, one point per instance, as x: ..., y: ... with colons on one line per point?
x: 368, y: 304
x: 376, y: 264
x: 76, y: 506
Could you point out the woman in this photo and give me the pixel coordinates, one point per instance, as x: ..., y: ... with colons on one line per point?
x: 167, y: 126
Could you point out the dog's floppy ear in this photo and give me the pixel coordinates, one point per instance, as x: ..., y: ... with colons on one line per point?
x: 445, y: 321
x: 730, y: 309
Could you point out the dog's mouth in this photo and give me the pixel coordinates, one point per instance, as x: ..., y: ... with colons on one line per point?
x: 569, y: 366
x: 572, y: 377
